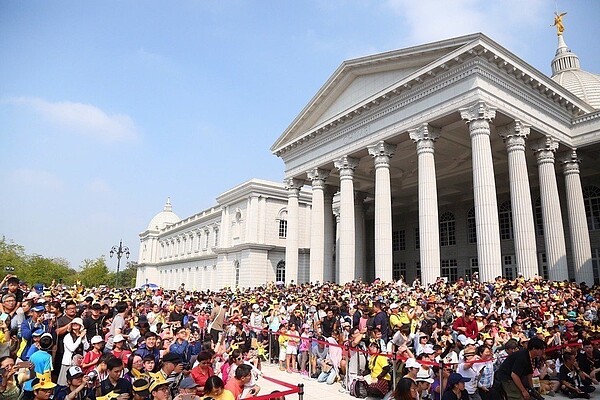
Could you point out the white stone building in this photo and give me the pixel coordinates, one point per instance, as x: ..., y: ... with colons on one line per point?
x: 436, y: 160
x: 239, y: 242
x: 451, y: 157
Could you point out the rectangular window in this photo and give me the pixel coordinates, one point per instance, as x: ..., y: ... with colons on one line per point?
x: 216, y: 243
x: 596, y: 265
x: 450, y: 270
x: 205, y: 243
x: 471, y: 228
x: 506, y: 228
x: 417, y: 239
x: 402, y: 240
x: 282, y: 229
x: 399, y: 270
x: 447, y: 233
x: 543, y: 266
x: 473, y: 267
x: 395, y: 241
x: 510, y: 268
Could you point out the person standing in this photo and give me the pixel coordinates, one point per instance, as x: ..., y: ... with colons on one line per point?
x: 217, y: 317
x: 516, y: 372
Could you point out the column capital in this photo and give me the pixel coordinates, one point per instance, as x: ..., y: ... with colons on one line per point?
x: 514, y: 135
x: 318, y: 176
x: 424, y: 136
x: 570, y: 162
x: 478, y: 111
x: 346, y: 165
x: 381, y: 152
x: 293, y: 186
x: 545, y: 149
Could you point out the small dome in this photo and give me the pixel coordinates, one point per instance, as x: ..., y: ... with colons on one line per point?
x: 164, y: 218
x: 567, y: 73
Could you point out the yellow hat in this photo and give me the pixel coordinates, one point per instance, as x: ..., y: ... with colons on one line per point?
x: 159, y: 381
x: 109, y: 396
x: 44, y: 381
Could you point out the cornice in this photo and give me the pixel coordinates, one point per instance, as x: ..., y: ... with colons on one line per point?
x: 442, y: 74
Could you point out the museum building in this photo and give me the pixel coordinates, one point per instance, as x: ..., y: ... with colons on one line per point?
x: 438, y: 160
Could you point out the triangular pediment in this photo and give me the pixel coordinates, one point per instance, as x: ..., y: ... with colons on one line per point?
x: 364, y: 77
x: 360, y: 82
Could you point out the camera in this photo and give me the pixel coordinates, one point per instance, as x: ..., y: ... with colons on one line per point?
x: 92, y: 376
x: 186, y: 366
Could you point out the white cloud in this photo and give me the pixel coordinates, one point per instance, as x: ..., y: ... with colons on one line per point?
x: 83, y: 119
x: 35, y: 179
x: 502, y: 20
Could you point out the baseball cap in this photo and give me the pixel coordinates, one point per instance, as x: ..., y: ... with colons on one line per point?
x: 187, y: 383
x: 38, y: 308
x: 74, y: 372
x: 118, y: 338
x: 97, y: 339
x: 455, y: 378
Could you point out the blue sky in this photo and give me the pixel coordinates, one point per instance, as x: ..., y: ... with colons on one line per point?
x: 109, y: 107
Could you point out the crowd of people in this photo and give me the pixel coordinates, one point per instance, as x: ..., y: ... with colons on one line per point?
x: 518, y: 339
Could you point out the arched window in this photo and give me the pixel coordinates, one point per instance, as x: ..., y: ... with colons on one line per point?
x: 505, y: 219
x: 591, y: 199
x: 539, y: 220
x: 283, y: 223
x: 471, y: 226
x: 447, y: 229
x: 280, y: 272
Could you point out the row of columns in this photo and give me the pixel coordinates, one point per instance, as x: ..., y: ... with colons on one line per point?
x: 478, y: 117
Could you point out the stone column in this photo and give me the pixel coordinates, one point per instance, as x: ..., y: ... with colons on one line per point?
x: 252, y: 219
x: 478, y: 118
x: 317, y: 227
x: 329, y: 242
x: 554, y: 238
x: 580, y: 236
x: 429, y: 225
x: 347, y: 266
x: 335, y: 205
x: 381, y: 153
x: 291, y: 243
x: 514, y: 135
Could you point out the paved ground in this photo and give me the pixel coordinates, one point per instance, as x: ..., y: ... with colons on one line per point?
x: 321, y: 391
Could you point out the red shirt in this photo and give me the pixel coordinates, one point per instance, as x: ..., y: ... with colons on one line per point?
x: 233, y: 385
x: 200, y: 376
x: 472, y: 330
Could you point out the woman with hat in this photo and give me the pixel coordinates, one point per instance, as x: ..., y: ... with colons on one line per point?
x: 74, y: 343
x: 77, y: 388
x: 455, y: 388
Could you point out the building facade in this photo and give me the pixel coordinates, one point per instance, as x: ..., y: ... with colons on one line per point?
x: 447, y: 159
x: 439, y: 160
x: 239, y: 242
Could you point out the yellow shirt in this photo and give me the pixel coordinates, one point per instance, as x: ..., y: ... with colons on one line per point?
x: 376, y: 364
x: 225, y: 395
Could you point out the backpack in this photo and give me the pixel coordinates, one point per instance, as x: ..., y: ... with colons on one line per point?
x: 358, y: 388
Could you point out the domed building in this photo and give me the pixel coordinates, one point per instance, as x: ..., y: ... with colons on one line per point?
x: 435, y: 161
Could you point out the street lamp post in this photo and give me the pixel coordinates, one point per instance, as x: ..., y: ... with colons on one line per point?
x: 119, y: 251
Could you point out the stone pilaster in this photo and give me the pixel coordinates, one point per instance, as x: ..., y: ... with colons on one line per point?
x: 429, y: 229
x: 554, y: 238
x: 478, y: 117
x: 293, y: 187
x: 381, y: 153
x: 360, y: 254
x: 580, y: 236
x: 317, y: 227
x: 347, y: 265
x: 330, y: 241
x: 514, y: 135
x: 335, y: 207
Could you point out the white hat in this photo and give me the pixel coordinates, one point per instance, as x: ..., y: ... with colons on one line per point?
x: 412, y: 363
x: 77, y: 321
x: 97, y: 339
x: 393, y: 305
x: 423, y: 376
x: 118, y: 338
x: 255, y: 307
x: 427, y: 349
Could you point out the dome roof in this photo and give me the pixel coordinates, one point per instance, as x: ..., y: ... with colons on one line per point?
x: 164, y: 218
x: 566, y: 72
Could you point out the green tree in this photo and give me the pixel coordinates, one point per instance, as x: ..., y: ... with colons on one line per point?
x: 95, y: 273
x: 12, y: 255
x: 43, y: 270
x: 127, y: 275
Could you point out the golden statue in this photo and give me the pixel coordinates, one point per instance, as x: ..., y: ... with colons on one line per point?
x: 558, y: 22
